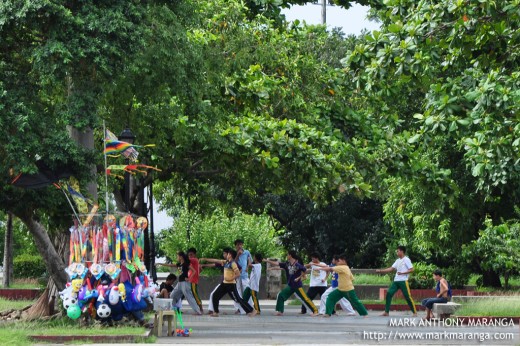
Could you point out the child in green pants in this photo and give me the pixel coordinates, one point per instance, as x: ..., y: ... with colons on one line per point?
x: 345, y: 288
x: 403, y: 267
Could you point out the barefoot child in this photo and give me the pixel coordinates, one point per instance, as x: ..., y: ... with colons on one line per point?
x: 228, y: 285
x: 254, y: 282
x: 294, y: 271
x: 402, y: 267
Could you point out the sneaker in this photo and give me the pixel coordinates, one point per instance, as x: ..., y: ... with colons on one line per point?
x: 278, y: 313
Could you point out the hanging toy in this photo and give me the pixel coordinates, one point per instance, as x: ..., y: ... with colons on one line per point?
x: 114, y: 295
x: 137, y: 292
x: 68, y: 301
x: 122, y: 292
x: 112, y: 270
x: 66, y: 292
x: 76, y: 286
x: 73, y: 312
x: 71, y: 270
x: 97, y: 270
x: 103, y: 311
x: 81, y: 270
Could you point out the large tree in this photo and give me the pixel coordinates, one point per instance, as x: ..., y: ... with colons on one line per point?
x: 446, y: 76
x: 228, y: 98
x: 56, y: 60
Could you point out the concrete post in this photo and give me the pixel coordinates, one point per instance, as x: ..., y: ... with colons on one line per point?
x: 273, y: 281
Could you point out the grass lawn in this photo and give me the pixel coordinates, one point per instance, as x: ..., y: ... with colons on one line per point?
x: 499, y: 307
x: 24, y: 284
x: 18, y: 333
x: 513, y: 281
x: 369, y: 279
x: 6, y: 304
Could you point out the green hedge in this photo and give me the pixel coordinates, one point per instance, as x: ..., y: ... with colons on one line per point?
x: 28, y: 266
x: 422, y: 276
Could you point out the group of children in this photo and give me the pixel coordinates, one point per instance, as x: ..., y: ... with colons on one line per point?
x: 243, y: 287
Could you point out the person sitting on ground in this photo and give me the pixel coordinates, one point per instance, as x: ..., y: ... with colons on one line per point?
x: 443, y: 290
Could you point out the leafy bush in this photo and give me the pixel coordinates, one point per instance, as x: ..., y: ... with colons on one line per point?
x: 458, y: 277
x: 210, y: 234
x: 422, y: 276
x: 28, y: 266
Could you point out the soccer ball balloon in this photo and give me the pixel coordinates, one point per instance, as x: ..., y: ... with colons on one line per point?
x: 68, y: 301
x: 103, y: 311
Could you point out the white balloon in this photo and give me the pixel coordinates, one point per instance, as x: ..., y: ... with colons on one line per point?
x: 113, y: 297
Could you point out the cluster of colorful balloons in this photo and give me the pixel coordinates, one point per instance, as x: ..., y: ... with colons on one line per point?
x: 108, y: 291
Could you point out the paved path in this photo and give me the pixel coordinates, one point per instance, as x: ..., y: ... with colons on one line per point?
x: 295, y: 329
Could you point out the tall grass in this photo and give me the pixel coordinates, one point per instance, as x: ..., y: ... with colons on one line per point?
x: 6, y: 304
x: 25, y: 284
x: 17, y: 333
x: 496, y: 306
x: 368, y: 279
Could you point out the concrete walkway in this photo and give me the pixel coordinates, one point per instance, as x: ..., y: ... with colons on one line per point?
x: 296, y: 329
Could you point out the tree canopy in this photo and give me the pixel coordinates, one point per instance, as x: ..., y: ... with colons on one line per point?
x: 421, y: 116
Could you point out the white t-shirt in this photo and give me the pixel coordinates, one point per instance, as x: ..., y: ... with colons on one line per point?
x: 254, y: 277
x: 402, y: 265
x: 317, y: 276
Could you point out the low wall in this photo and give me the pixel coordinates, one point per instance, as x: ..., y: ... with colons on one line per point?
x: 420, y: 294
x: 19, y: 293
x: 208, y: 283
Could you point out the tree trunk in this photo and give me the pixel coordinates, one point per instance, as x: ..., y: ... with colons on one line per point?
x: 491, y: 279
x: 53, y: 261
x: 8, y: 252
x: 85, y: 139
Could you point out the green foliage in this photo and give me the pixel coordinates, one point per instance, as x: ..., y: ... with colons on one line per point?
x: 496, y: 248
x: 458, y: 276
x: 8, y: 304
x: 368, y: 279
x: 500, y: 306
x: 348, y: 225
x: 28, y: 266
x: 210, y: 234
x: 422, y: 276
x: 23, y: 242
x: 441, y: 79
x: 18, y: 333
